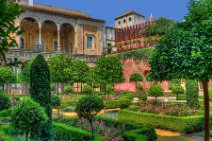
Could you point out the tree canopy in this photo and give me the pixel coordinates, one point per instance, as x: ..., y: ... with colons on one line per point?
x: 8, y: 30
x: 7, y: 75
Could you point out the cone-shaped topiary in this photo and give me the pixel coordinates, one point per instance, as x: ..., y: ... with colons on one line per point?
x: 40, y: 91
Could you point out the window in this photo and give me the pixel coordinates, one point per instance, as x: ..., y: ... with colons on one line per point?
x: 124, y: 20
x: 119, y: 22
x: 130, y: 19
x: 90, y: 42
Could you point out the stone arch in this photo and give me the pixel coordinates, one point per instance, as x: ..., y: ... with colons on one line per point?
x: 30, y: 28
x: 67, y: 37
x: 49, y: 36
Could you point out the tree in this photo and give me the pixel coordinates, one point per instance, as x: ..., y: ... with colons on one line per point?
x: 28, y: 115
x: 40, y: 91
x: 185, y: 52
x: 88, y: 107
x: 56, y: 102
x: 87, y: 89
x: 109, y: 71
x: 58, y: 65
x: 156, y: 91
x: 5, y: 102
x: 177, y: 89
x: 136, y: 77
x: 7, y: 75
x: 160, y: 27
x: 8, y: 30
x: 192, y: 93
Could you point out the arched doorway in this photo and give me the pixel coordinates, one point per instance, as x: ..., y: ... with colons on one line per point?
x: 67, y: 37
x: 49, y: 36
x: 29, y: 26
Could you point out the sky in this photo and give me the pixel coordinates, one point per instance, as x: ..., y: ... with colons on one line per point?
x: 109, y: 9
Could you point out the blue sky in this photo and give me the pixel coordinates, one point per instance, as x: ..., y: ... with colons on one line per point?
x: 109, y: 9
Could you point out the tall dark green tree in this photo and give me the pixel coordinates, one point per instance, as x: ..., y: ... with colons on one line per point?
x: 186, y: 52
x: 192, y: 93
x: 9, y: 12
x: 40, y: 91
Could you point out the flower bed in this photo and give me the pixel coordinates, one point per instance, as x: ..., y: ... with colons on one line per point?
x: 185, y: 124
x: 111, y: 129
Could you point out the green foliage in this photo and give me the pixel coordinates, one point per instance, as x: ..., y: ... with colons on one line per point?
x: 109, y: 89
x: 9, y: 13
x: 40, y: 91
x: 87, y: 89
x: 109, y: 70
x: 80, y: 71
x: 134, y: 108
x: 68, y: 89
x: 65, y: 132
x: 28, y: 115
x: 140, y: 87
x: 210, y: 93
x: 188, y: 124
x: 5, y: 133
x: 7, y: 75
x: 5, y: 102
x: 136, y: 77
x: 155, y: 90
x: 6, y: 113
x: 124, y: 103
x: 138, y: 54
x: 59, y: 66
x: 192, y: 93
x: 177, y: 89
x: 25, y: 72
x: 88, y: 107
x: 160, y: 27
x: 56, y: 102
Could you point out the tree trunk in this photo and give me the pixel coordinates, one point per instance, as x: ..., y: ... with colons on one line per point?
x: 26, y: 136
x: 207, y: 110
x: 91, y: 128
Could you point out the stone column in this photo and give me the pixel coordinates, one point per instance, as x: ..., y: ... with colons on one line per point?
x: 58, y: 37
x: 75, y: 43
x: 40, y: 35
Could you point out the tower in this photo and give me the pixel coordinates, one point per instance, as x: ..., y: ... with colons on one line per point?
x: 151, y: 18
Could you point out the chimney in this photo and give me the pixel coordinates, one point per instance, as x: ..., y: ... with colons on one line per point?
x: 30, y: 2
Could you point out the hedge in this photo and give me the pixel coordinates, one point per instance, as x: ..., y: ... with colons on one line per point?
x: 6, y: 133
x: 117, y: 103
x: 134, y: 132
x: 186, y: 124
x: 65, y: 132
x: 6, y: 113
x: 65, y: 104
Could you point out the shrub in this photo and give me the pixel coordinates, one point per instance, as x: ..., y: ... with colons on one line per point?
x: 179, y: 124
x: 136, y: 77
x: 177, y: 89
x: 88, y: 107
x: 5, y: 102
x: 64, y: 132
x: 53, y: 87
x: 210, y: 93
x: 109, y: 89
x: 140, y: 87
x: 87, y: 89
x: 134, y: 108
x: 56, y: 102
x: 28, y: 115
x: 7, y: 75
x: 124, y: 103
x: 192, y: 91
x: 40, y: 91
x: 156, y: 91
x: 68, y: 89
x: 6, y: 113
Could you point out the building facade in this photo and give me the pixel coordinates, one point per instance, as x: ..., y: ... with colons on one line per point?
x: 109, y: 39
x: 129, y: 19
x: 48, y: 29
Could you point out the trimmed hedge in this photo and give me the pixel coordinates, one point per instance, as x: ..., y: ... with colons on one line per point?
x: 65, y: 132
x: 117, y: 103
x: 6, y: 113
x: 134, y: 132
x: 6, y: 133
x: 179, y: 124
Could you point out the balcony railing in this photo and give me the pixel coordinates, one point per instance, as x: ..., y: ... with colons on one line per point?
x: 26, y: 55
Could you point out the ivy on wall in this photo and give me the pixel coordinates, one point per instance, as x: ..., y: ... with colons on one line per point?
x: 138, y: 54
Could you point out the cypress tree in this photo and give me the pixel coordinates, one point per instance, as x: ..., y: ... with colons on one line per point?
x: 40, y: 91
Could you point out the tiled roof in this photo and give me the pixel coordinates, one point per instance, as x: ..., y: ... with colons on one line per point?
x: 60, y: 11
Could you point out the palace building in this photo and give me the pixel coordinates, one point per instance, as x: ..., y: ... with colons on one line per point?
x: 48, y: 30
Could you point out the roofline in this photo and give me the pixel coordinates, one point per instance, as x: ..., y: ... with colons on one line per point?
x: 110, y: 27
x: 32, y: 8
x: 130, y: 12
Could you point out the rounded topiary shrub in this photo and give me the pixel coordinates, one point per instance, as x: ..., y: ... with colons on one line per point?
x: 68, y: 89
x: 109, y: 89
x: 177, y: 89
x: 87, y: 89
x: 5, y: 102
x: 192, y: 93
x: 155, y: 90
x: 136, y: 77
